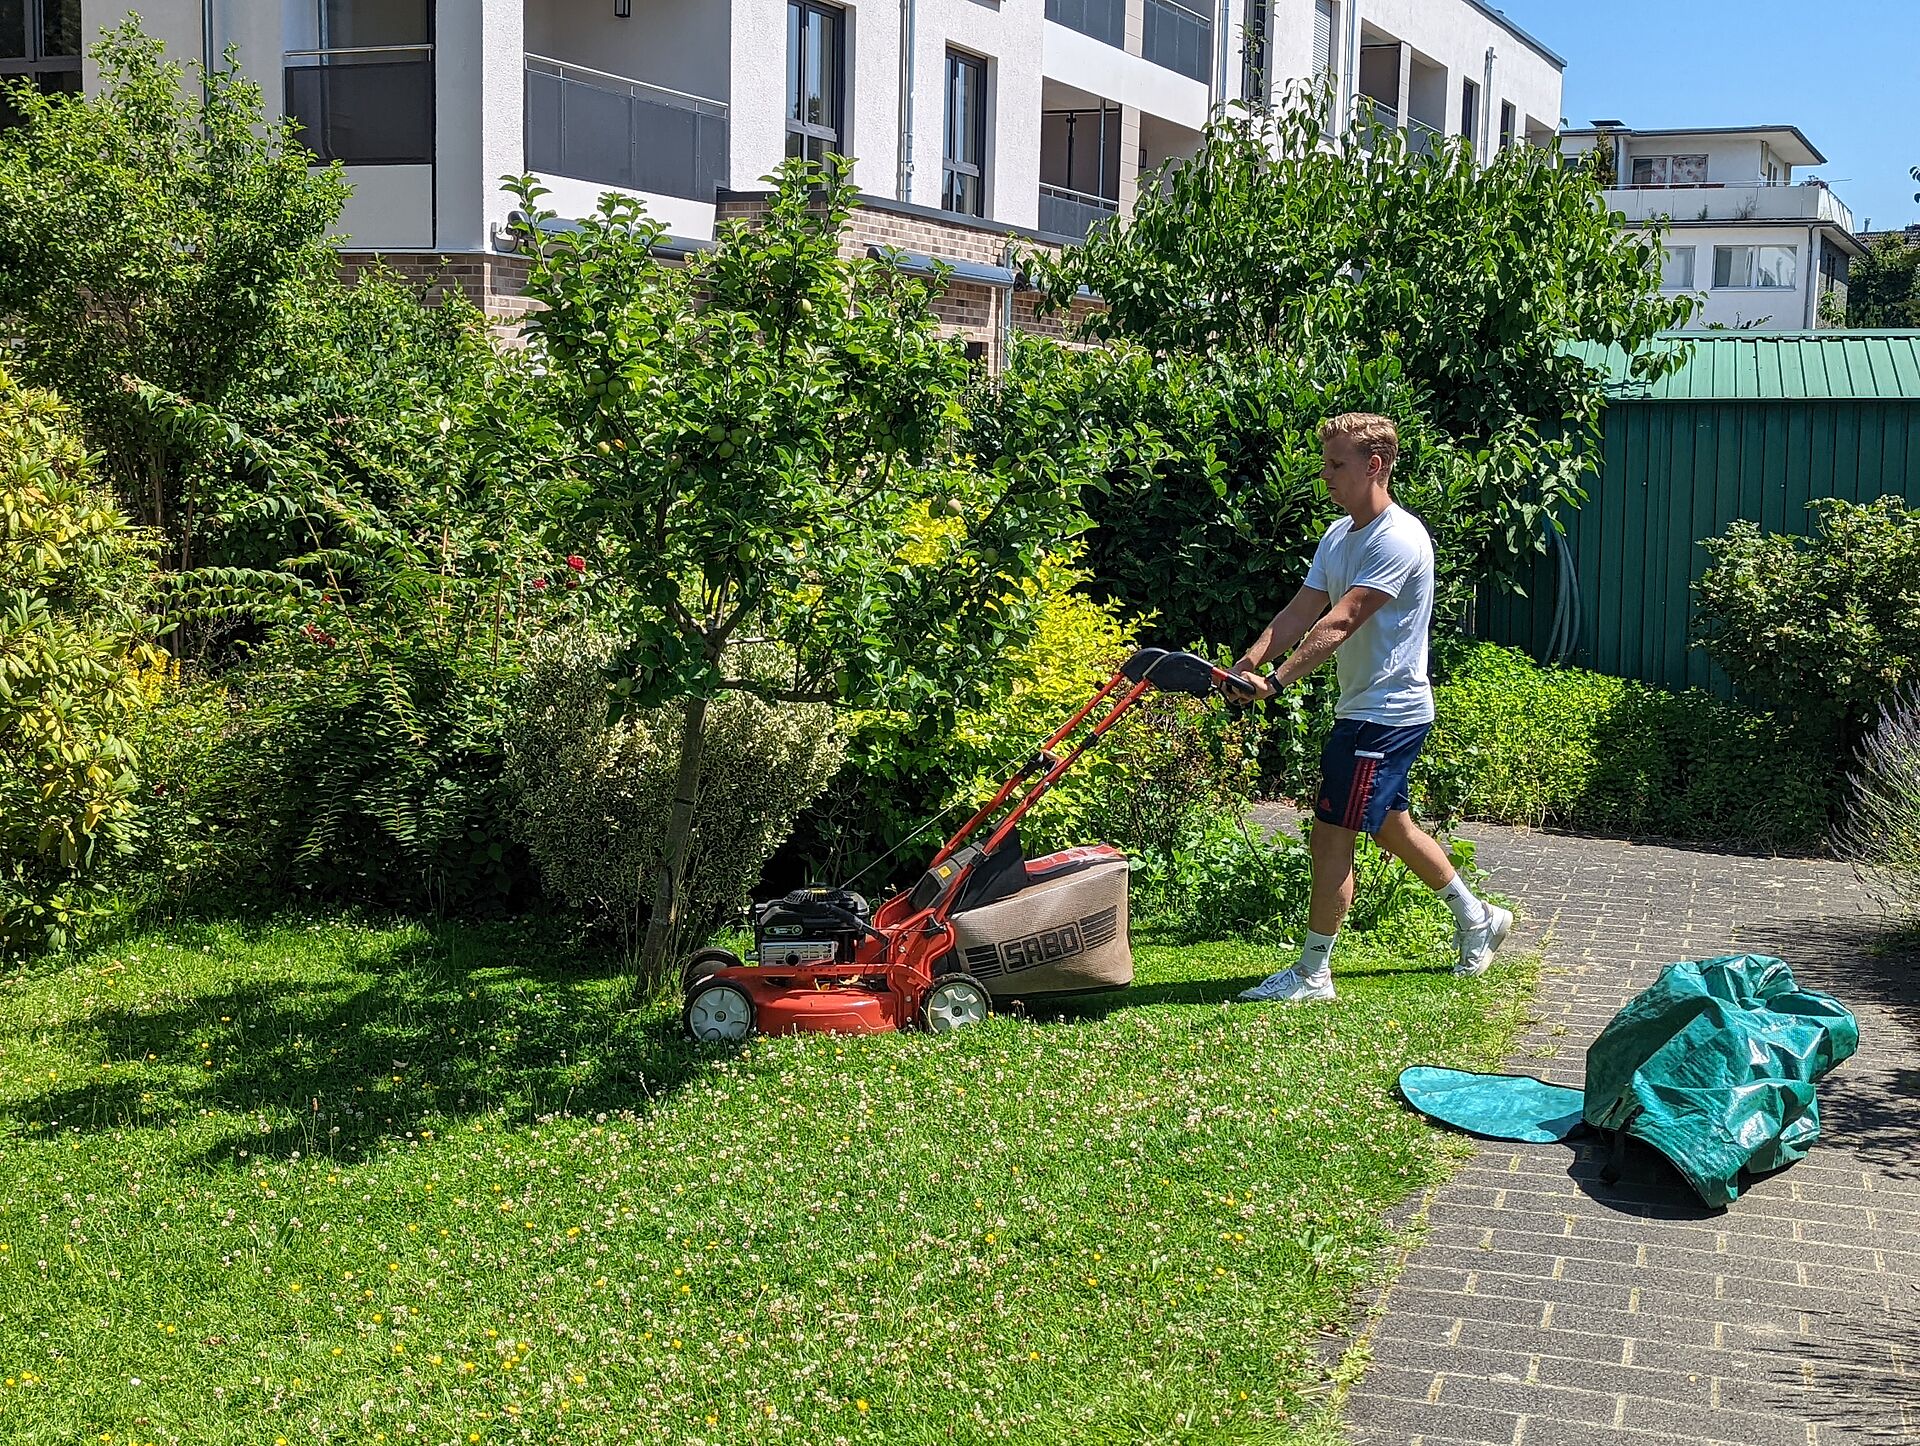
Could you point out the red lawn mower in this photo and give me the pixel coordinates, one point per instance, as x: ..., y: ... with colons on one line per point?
x: 984, y: 923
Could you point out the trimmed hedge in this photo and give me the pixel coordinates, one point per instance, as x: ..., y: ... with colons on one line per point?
x: 1517, y: 743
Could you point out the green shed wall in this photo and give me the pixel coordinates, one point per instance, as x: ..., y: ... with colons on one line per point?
x: 1675, y: 472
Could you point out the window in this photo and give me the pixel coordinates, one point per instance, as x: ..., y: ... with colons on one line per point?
x: 359, y: 79
x: 816, y: 79
x: 964, y: 172
x: 1669, y: 170
x: 1767, y: 268
x: 1676, y: 269
x: 1506, y: 124
x: 39, y: 39
x: 1253, y: 51
x: 1326, y: 68
x: 1470, y: 112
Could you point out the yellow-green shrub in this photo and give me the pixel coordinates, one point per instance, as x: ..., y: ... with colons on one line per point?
x: 73, y: 577
x: 1146, y: 784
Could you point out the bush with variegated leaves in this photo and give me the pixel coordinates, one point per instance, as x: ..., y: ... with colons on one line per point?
x: 73, y: 633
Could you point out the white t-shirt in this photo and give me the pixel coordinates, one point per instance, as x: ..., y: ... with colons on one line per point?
x: 1383, y: 665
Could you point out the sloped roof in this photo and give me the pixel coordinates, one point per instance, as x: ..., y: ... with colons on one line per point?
x: 1773, y: 366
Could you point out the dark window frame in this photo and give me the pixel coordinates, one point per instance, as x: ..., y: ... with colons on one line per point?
x: 1509, y: 124
x: 812, y: 139
x: 956, y: 171
x: 52, y: 72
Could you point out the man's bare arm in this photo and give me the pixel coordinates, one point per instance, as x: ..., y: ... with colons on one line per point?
x: 1355, y: 606
x: 1288, y: 627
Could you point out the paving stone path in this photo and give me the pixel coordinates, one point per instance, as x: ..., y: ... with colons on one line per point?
x: 1549, y: 1309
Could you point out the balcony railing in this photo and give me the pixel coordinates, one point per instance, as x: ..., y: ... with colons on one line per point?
x: 1423, y: 139
x: 1754, y: 201
x: 1104, y: 20
x: 604, y: 128
x: 364, y: 105
x: 1373, y: 119
x: 1073, y: 213
x: 1180, y: 39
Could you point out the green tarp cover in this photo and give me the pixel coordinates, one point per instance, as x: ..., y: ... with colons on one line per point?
x: 1714, y: 1066
x: 1499, y: 1106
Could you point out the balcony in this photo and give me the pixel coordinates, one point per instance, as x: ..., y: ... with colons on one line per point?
x: 1104, y: 20
x: 612, y: 131
x: 1073, y: 213
x: 1179, y: 39
x: 1754, y: 201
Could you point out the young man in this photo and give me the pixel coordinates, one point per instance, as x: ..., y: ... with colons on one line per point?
x: 1367, y: 603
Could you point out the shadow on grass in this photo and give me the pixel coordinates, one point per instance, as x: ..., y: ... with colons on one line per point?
x: 390, y: 1036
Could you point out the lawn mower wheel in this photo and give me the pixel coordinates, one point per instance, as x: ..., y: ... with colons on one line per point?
x: 703, y: 963
x: 718, y: 1013
x: 954, y: 1002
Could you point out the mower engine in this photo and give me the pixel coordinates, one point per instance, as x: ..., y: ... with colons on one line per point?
x: 809, y: 926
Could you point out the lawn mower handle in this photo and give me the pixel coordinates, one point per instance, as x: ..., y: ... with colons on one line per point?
x: 1172, y: 672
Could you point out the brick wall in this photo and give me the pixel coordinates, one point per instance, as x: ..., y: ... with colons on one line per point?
x: 969, y: 309
x: 491, y: 282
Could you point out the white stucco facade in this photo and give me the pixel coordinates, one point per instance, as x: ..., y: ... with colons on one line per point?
x: 1418, y: 56
x: 678, y: 100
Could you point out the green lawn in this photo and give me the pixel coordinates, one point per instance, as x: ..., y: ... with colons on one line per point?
x: 320, y: 1181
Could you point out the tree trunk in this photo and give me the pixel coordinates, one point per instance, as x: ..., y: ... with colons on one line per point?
x: 663, y: 923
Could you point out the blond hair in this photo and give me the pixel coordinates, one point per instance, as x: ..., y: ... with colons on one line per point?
x: 1375, y: 436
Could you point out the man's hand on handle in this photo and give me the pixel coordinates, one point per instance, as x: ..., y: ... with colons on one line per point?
x: 1249, y: 686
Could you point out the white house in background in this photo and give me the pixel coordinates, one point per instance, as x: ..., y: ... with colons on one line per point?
x: 1759, y: 248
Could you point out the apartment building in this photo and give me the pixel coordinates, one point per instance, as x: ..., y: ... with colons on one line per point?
x: 967, y: 119
x: 1760, y: 247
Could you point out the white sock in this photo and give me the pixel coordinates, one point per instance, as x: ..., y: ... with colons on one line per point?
x: 1316, y: 957
x: 1466, y: 908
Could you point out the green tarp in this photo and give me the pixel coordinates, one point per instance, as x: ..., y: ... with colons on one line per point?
x: 1713, y: 1065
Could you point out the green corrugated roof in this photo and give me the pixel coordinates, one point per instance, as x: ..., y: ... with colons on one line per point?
x: 1772, y: 366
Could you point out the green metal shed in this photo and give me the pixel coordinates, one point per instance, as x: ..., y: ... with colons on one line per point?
x: 1753, y: 425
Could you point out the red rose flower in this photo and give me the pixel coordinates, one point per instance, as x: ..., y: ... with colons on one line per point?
x: 576, y: 562
x: 540, y: 584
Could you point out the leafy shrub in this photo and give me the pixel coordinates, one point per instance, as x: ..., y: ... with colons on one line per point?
x: 1823, y: 629
x: 179, y: 731
x: 1518, y: 743
x: 593, y: 795
x: 74, y: 578
x: 1206, y: 520
x: 1233, y: 880
x: 1880, y: 826
x: 369, y: 770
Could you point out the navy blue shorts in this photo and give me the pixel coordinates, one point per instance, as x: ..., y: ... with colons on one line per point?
x: 1363, y: 772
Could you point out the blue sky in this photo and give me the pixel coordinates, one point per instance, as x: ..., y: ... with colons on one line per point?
x: 1846, y: 73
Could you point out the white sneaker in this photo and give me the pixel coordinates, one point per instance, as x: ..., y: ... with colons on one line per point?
x: 1478, y: 945
x: 1289, y: 986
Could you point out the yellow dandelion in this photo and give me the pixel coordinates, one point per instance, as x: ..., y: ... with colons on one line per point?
x: 860, y: 1406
